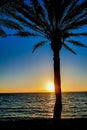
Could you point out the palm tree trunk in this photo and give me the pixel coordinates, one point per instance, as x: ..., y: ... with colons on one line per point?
x: 57, y: 84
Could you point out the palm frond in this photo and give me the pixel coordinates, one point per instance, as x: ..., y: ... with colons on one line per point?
x: 38, y: 10
x: 39, y: 45
x: 3, y: 2
x: 30, y: 16
x: 24, y: 22
x: 79, y: 23
x: 40, y: 16
x: 69, y: 49
x: 10, y: 24
x: 76, y: 24
x: 7, y: 5
x: 75, y: 34
x: 76, y: 43
x: 25, y: 34
x: 77, y: 9
x: 71, y: 22
x: 34, y: 14
x: 67, y: 6
x: 2, y: 32
x: 49, y: 10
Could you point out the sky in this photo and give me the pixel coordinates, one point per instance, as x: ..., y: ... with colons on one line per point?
x: 24, y: 71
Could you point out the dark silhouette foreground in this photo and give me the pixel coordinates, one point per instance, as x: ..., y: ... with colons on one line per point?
x: 44, y: 124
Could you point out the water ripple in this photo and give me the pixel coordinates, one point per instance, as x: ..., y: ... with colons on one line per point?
x: 23, y: 106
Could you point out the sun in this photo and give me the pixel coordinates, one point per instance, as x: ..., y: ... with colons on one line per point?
x: 50, y: 87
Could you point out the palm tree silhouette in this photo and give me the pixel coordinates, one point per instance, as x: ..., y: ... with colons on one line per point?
x: 55, y: 20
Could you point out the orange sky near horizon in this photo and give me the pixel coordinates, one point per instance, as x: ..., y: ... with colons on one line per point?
x: 45, y: 87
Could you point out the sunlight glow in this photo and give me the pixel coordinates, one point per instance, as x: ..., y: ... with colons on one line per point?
x: 50, y: 87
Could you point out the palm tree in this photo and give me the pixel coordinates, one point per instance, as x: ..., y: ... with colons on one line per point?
x: 55, y: 21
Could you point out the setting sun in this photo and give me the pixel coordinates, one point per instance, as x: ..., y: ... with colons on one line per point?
x: 50, y: 87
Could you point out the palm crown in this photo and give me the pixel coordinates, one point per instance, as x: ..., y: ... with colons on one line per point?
x: 51, y: 19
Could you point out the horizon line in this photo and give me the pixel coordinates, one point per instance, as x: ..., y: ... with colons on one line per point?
x: 41, y: 92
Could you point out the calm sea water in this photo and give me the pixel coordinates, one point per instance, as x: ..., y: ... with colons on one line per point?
x: 30, y: 106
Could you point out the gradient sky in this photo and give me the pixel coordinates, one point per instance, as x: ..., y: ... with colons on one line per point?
x: 24, y: 71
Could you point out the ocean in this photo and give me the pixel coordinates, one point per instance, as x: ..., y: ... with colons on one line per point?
x: 40, y: 105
